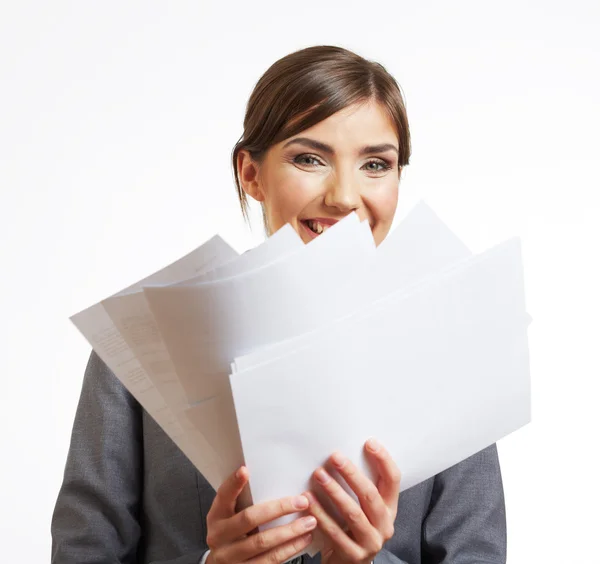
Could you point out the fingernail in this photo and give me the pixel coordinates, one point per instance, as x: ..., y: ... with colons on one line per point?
x: 338, y: 459
x: 239, y: 474
x: 306, y: 539
x: 321, y: 476
x: 309, y: 522
x: 373, y: 445
x: 300, y: 502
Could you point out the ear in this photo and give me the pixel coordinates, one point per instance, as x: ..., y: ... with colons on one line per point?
x: 248, y: 175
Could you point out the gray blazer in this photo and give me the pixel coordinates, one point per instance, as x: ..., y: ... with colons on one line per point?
x: 130, y: 496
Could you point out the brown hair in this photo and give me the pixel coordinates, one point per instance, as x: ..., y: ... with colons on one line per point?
x: 306, y: 87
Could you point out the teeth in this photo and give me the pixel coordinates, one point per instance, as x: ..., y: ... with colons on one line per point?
x: 316, y: 226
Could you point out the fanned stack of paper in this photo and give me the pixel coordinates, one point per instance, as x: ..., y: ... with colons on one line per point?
x: 282, y: 355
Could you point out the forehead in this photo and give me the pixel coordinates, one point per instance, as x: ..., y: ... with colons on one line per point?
x: 366, y: 123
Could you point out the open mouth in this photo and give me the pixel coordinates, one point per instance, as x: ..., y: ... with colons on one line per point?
x: 317, y: 226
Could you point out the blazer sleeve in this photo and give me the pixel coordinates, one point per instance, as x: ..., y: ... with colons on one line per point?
x: 466, y: 519
x: 384, y: 556
x: 95, y: 518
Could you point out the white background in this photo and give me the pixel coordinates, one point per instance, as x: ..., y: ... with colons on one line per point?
x: 117, y: 121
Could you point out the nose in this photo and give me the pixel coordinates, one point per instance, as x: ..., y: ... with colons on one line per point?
x: 343, y: 194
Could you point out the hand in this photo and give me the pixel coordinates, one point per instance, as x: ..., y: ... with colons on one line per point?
x: 370, y: 523
x: 232, y: 537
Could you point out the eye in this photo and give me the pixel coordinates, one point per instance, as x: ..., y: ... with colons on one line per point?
x: 384, y: 165
x: 302, y: 159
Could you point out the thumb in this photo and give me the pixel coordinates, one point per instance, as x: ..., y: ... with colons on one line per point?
x: 224, y: 504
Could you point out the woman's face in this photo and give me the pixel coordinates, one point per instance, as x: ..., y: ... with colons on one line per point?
x: 347, y: 162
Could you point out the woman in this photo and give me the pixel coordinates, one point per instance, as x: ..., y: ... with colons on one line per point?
x: 325, y: 134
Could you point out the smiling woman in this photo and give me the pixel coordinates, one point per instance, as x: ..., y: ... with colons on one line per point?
x: 325, y: 134
x: 352, y: 165
x: 354, y: 142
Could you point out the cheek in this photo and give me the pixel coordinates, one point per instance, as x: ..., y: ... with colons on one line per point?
x: 383, y: 207
x: 383, y: 203
x: 288, y: 193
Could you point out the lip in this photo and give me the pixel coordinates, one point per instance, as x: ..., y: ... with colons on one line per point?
x: 308, y: 230
x: 324, y: 220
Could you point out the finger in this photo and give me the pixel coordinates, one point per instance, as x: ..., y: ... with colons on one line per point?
x: 223, y: 505
x: 264, y: 541
x: 366, y: 491
x: 261, y: 513
x: 388, y: 483
x: 364, y: 532
x: 347, y: 547
x: 283, y: 552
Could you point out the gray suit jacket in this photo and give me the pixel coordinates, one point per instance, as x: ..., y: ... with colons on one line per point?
x: 130, y: 496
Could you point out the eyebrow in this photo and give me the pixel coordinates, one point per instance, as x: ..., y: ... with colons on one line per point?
x: 319, y: 146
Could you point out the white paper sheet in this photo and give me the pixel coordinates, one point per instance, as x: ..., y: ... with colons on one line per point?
x: 436, y: 375
x: 98, y: 328
x: 132, y: 316
x: 421, y: 245
x: 204, y: 326
x: 133, y: 319
x: 283, y: 242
